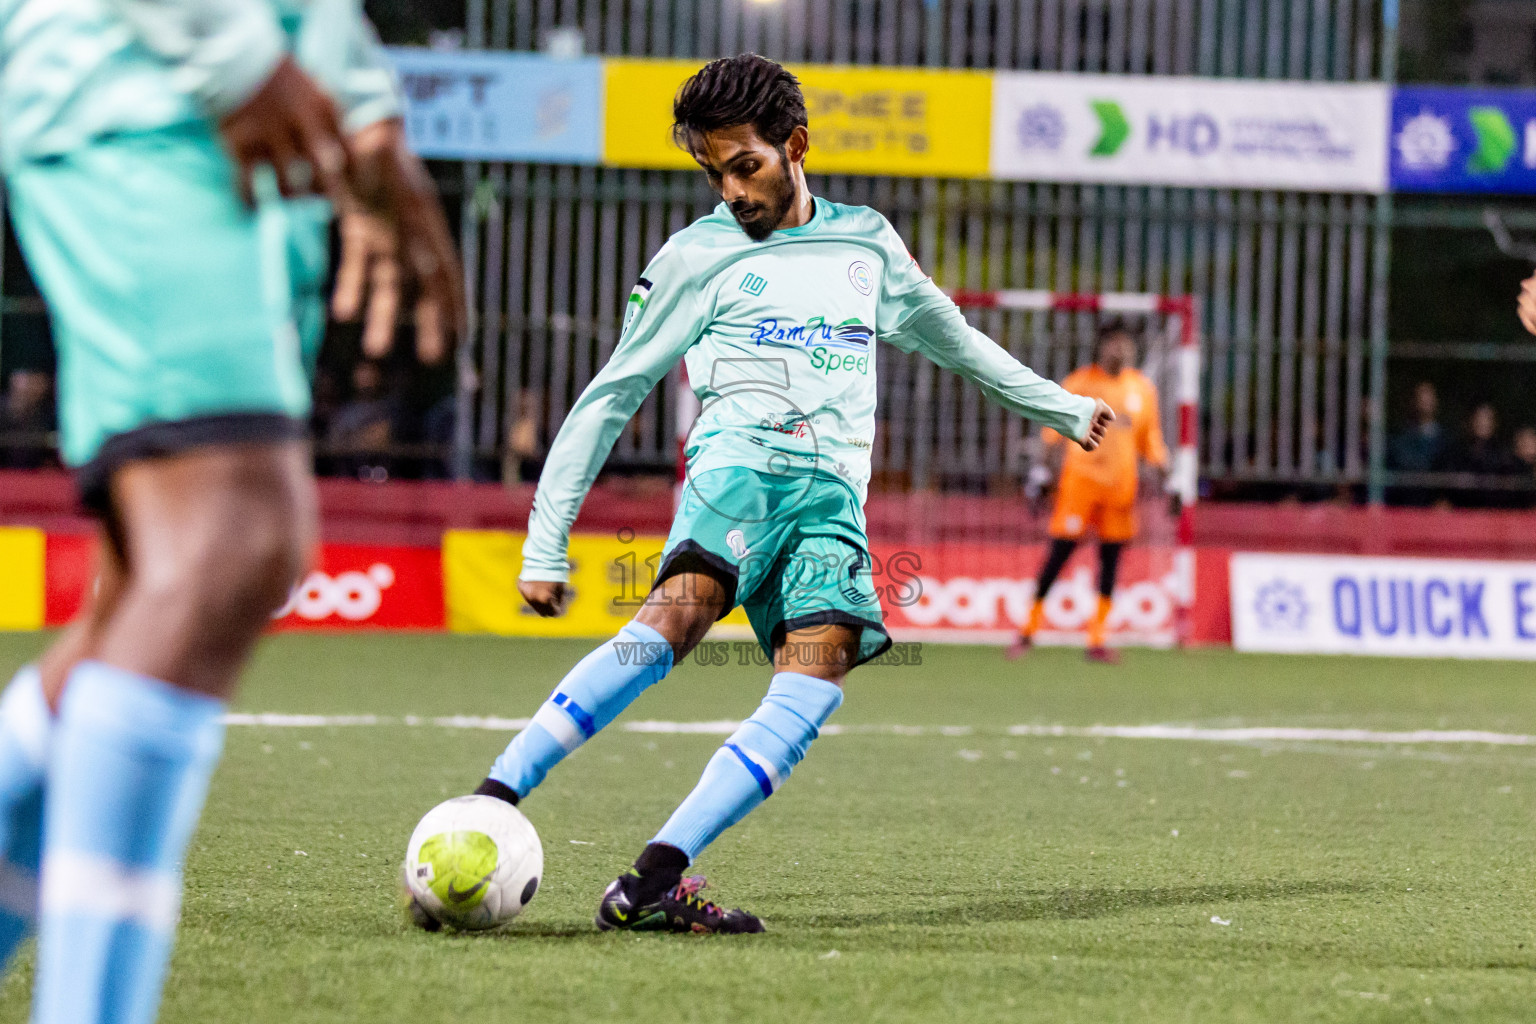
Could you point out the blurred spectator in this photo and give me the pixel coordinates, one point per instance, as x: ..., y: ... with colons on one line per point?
x: 327, y: 399
x: 1481, y: 454
x: 1525, y: 451
x: 1525, y: 460
x: 363, y: 427
x: 519, y: 460
x: 26, y: 417
x: 1422, y: 446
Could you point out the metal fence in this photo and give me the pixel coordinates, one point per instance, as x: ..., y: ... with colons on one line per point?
x: 1293, y: 285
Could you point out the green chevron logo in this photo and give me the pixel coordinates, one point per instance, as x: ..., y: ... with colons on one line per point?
x: 1114, y: 128
x: 1496, y: 141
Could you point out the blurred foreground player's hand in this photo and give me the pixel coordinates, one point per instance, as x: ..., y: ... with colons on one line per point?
x: 1528, y: 304
x: 394, y: 241
x: 544, y: 596
x: 1103, y: 416
x: 294, y: 127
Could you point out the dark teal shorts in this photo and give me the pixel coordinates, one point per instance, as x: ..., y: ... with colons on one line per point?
x: 793, y: 554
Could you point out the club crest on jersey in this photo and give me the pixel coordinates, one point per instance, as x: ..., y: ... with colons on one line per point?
x: 861, y: 277
x: 637, y: 299
x: 851, y: 333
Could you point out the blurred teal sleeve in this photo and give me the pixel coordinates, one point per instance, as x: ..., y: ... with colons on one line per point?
x: 915, y: 315
x: 659, y: 327
x: 339, y: 46
x: 221, y: 51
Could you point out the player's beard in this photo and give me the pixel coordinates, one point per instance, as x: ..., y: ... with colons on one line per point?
x: 764, y: 218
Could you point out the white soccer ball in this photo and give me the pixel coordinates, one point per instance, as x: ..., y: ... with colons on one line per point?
x: 473, y: 863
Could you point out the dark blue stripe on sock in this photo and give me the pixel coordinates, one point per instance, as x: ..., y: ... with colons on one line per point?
x: 578, y: 715
x: 763, y: 781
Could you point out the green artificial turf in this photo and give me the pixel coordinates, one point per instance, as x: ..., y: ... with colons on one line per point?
x: 957, y: 874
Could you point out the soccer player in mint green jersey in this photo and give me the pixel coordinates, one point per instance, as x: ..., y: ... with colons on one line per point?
x: 186, y: 318
x: 776, y: 302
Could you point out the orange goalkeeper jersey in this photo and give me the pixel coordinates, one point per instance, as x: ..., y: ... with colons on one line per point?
x: 1136, y: 433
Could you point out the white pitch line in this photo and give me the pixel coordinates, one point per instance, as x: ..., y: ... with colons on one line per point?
x: 1276, y: 734
x: 1189, y: 733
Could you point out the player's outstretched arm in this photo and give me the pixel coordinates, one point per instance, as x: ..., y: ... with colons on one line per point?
x: 940, y: 332
x: 665, y: 316
x: 916, y: 316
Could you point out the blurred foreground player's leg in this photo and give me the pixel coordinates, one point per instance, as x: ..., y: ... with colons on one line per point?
x: 26, y: 730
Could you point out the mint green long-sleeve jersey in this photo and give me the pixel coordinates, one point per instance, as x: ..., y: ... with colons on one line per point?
x: 779, y: 342
x: 75, y: 70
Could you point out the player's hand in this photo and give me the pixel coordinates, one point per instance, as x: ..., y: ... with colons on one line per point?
x: 1103, y: 416
x: 545, y: 597
x: 291, y: 125
x: 394, y: 243
x: 1528, y: 304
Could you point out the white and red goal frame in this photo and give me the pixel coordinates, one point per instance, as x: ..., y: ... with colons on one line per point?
x: 1184, y: 473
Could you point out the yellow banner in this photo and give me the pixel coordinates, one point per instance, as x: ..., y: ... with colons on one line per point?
x: 880, y: 121
x: 21, y: 578
x: 609, y: 578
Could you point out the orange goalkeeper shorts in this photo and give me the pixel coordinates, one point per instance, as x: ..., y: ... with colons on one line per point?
x: 1082, y: 506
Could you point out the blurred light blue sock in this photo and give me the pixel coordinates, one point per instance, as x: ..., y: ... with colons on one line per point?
x: 592, y: 695
x: 754, y: 762
x: 25, y: 723
x: 127, y: 776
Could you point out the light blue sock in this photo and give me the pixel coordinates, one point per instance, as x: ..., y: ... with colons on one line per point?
x: 593, y: 694
x: 127, y: 776
x: 25, y: 724
x: 754, y: 762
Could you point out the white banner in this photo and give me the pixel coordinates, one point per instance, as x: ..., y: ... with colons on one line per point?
x: 1196, y: 132
x: 1414, y: 607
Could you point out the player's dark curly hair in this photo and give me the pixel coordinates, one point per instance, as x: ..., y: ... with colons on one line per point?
x: 1109, y: 329
x: 739, y: 90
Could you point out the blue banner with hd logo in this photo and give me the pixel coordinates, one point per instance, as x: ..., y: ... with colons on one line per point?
x: 1464, y: 140
x: 526, y: 107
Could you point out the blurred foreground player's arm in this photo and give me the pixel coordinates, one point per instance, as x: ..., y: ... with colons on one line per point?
x: 1528, y: 304
x: 916, y: 316
x: 231, y: 57
x: 324, y: 119
x: 664, y: 318
x: 392, y: 228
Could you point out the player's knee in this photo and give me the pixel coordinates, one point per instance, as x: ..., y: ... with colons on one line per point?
x: 684, y: 624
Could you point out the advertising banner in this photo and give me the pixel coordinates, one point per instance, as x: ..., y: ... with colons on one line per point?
x: 469, y: 105
x: 354, y: 586
x: 1411, y: 607
x: 959, y: 593
x: 1195, y: 132
x: 1464, y: 140
x: 610, y: 576
x: 21, y: 578
x: 71, y: 573
x: 881, y: 121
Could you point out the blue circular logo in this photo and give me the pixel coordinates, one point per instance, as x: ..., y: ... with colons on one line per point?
x: 861, y: 277
x: 1042, y: 127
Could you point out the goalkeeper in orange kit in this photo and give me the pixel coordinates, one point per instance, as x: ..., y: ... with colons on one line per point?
x: 1097, y: 490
